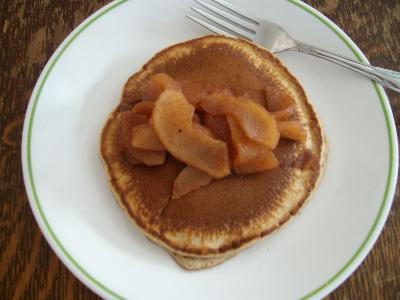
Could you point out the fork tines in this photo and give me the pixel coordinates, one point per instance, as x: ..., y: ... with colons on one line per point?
x: 244, y: 27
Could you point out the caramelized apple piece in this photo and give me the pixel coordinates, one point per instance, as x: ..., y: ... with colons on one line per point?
x: 277, y: 100
x: 283, y: 115
x: 135, y: 155
x: 196, y: 118
x: 172, y: 121
x: 292, y: 130
x: 144, y: 137
x: 203, y: 129
x: 195, y: 91
x: 188, y: 180
x: 255, y: 96
x: 144, y: 108
x: 149, y: 157
x: 129, y: 120
x: 156, y: 84
x: 265, y: 161
x: 250, y: 156
x: 257, y: 123
x: 218, y: 126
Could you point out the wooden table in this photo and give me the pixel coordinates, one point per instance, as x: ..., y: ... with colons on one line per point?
x: 29, y: 33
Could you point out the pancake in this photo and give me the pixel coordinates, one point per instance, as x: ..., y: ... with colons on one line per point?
x: 196, y: 263
x: 213, y: 223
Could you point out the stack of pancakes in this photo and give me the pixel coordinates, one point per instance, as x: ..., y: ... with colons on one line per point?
x: 213, y: 223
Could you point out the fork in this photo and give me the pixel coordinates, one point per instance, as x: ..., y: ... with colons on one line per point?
x: 276, y: 39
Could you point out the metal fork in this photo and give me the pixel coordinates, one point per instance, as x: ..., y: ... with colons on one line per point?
x: 275, y: 39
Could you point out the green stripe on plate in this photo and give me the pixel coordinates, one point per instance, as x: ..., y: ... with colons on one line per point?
x: 115, y: 295
x: 389, y: 181
x: 29, y: 138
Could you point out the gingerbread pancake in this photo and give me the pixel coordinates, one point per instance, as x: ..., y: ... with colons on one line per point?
x: 214, y: 222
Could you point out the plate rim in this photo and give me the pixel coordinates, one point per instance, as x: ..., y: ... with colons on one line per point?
x: 101, y: 289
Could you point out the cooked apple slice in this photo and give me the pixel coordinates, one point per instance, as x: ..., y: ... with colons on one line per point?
x: 250, y: 156
x: 255, y: 96
x: 156, y: 84
x: 257, y: 123
x: 195, y: 91
x: 265, y: 161
x: 172, y: 121
x: 129, y: 120
x: 188, y: 180
x: 149, y: 157
x: 144, y: 137
x: 196, y: 118
x: 292, y: 130
x: 283, y: 115
x: 218, y: 126
x: 203, y: 129
x: 144, y: 108
x: 135, y: 155
x: 277, y: 100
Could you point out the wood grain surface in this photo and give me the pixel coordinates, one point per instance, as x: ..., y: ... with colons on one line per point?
x: 30, y: 31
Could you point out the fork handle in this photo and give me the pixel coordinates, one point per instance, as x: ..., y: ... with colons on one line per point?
x: 388, y: 78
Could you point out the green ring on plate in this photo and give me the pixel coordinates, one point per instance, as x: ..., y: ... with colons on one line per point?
x: 392, y: 166
x: 298, y: 3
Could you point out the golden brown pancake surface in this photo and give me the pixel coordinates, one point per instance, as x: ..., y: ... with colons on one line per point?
x: 231, y: 213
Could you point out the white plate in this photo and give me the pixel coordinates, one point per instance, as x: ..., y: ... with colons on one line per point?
x: 75, y: 209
